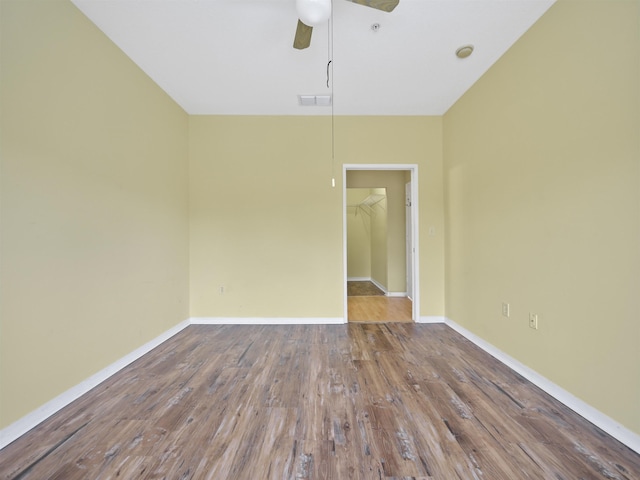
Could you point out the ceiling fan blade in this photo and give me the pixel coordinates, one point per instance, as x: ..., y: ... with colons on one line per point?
x: 384, y: 5
x: 303, y: 36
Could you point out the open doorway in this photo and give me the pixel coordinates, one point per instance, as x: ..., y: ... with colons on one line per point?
x: 367, y: 252
x: 380, y: 240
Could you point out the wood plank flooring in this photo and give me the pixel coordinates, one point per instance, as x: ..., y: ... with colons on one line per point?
x: 356, y: 401
x: 367, y: 303
x: 379, y: 309
x: 364, y: 288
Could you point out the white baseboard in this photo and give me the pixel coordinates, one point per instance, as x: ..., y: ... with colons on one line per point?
x: 29, y: 421
x: 266, y: 321
x: 379, y: 285
x: 599, y: 419
x: 431, y: 319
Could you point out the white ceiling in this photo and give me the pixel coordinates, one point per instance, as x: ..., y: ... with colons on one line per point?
x: 236, y: 57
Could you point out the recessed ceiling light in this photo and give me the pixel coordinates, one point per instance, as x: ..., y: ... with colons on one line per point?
x: 465, y: 51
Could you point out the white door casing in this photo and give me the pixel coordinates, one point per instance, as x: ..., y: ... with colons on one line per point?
x: 409, y: 244
x: 413, y: 235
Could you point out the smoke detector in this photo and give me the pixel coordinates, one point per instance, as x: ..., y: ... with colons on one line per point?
x: 464, y: 51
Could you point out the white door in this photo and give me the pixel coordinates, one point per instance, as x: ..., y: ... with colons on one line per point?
x: 409, y: 240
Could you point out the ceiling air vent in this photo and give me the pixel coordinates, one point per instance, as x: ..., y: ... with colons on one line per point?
x: 314, y: 100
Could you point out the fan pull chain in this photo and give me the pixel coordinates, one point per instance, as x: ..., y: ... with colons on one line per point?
x: 329, y: 66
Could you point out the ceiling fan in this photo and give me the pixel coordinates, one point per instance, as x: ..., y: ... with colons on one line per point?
x: 312, y: 13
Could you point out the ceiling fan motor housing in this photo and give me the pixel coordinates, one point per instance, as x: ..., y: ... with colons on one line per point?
x: 313, y: 12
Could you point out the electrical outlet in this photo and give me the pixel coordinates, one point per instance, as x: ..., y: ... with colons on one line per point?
x: 505, y: 310
x: 533, y: 320
x: 221, y: 290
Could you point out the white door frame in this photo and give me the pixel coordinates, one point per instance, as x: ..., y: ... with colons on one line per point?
x: 408, y: 202
x: 413, y: 169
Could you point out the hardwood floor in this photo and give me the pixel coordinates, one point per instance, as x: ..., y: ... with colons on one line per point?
x: 379, y: 309
x: 356, y: 401
x: 366, y: 288
x: 367, y: 303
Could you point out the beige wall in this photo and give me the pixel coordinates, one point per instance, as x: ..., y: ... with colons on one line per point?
x: 358, y: 234
x: 389, y: 232
x: 542, y: 183
x: 93, y: 205
x: 266, y: 225
x: 380, y: 254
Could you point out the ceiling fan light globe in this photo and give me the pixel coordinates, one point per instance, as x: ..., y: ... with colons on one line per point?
x: 313, y: 12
